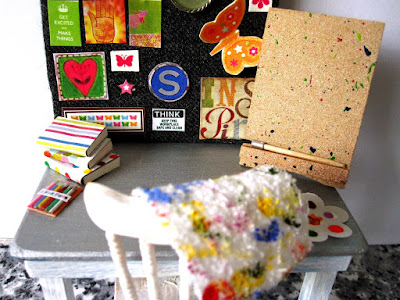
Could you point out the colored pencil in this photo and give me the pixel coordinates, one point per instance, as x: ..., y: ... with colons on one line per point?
x: 41, y: 197
x: 55, y: 201
x: 60, y: 202
x: 42, y: 204
x: 48, y: 202
x: 44, y: 197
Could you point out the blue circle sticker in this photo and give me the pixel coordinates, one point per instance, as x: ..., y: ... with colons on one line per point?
x: 168, y: 82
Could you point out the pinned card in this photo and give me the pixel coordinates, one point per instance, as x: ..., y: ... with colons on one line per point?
x: 325, y: 221
x: 238, y: 52
x: 310, y: 93
x: 168, y: 119
x: 124, y: 60
x: 64, y: 23
x: 81, y: 76
x: 104, y: 21
x: 145, y: 23
x: 225, y: 104
x: 116, y: 119
x: 260, y: 5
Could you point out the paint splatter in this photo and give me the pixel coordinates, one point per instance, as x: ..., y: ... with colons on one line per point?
x: 367, y: 52
x: 370, y: 67
x: 339, y: 39
x: 359, y: 36
x: 310, y: 15
x: 276, y: 42
x: 313, y: 149
x: 347, y: 108
x: 311, y: 167
x: 336, y: 228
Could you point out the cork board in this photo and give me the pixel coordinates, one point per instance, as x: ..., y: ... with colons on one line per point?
x: 312, y: 83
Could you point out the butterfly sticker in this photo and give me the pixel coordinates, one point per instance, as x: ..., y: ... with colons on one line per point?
x: 125, y: 60
x: 238, y: 52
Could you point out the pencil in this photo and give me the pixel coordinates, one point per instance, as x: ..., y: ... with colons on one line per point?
x: 41, y: 197
x: 55, y: 201
x: 45, y: 204
x: 54, y: 185
x: 44, y: 201
x: 60, y: 202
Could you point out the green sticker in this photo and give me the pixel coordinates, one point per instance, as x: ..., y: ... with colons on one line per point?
x: 64, y: 23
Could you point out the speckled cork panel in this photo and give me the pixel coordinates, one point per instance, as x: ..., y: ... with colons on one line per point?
x: 312, y: 84
x: 325, y: 174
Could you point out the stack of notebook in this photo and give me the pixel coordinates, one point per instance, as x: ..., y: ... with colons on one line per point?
x: 78, y: 150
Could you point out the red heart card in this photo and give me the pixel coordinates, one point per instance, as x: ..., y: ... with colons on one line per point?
x: 82, y: 75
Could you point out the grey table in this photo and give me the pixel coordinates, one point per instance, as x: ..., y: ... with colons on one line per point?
x: 71, y: 246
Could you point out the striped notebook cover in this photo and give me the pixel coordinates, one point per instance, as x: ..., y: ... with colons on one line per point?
x: 77, y: 137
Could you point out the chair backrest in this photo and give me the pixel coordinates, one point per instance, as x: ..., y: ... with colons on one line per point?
x: 235, y: 235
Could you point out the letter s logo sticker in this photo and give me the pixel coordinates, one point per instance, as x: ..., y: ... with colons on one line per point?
x: 168, y: 82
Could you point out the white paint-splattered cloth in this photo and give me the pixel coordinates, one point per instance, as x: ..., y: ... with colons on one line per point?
x: 239, y: 234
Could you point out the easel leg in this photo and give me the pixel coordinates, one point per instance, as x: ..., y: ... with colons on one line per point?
x: 317, y: 285
x: 57, y: 288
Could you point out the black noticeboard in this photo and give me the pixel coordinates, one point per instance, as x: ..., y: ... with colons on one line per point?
x: 180, y: 44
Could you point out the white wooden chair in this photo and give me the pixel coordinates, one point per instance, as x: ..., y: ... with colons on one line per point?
x: 129, y: 215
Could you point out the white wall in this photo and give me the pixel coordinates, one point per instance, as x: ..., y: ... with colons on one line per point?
x: 26, y: 108
x: 371, y: 194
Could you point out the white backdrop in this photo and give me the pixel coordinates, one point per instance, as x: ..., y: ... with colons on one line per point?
x: 371, y: 195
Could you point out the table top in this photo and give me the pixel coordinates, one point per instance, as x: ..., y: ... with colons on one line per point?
x: 73, y: 236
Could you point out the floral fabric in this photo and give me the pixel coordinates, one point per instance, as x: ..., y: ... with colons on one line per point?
x: 239, y: 234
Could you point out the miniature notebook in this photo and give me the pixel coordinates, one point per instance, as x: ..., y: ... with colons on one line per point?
x: 87, y: 162
x: 84, y: 175
x: 310, y: 93
x: 77, y: 137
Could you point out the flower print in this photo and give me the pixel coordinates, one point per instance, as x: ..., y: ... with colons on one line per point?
x: 230, y: 16
x: 253, y: 51
x: 269, y: 234
x: 244, y: 281
x: 314, y: 220
x: 156, y: 194
x: 219, y: 290
x: 260, y: 3
x: 234, y: 62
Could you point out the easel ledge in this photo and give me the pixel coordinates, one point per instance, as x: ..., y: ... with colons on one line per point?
x: 326, y: 174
